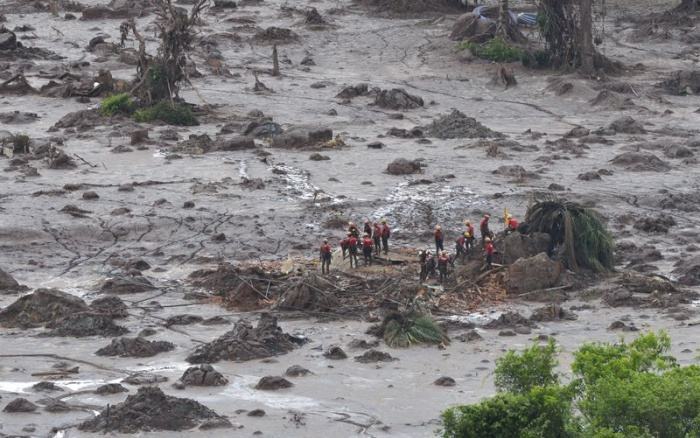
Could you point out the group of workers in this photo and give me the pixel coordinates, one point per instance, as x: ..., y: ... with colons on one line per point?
x: 375, y: 238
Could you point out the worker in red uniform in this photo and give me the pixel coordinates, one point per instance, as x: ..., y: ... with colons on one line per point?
x: 345, y: 245
x: 489, y: 250
x: 439, y: 239
x: 511, y: 224
x: 368, y: 227
x: 386, y: 234
x: 325, y: 256
x: 352, y: 248
x: 352, y: 229
x: 367, y: 249
x: 469, y: 235
x: 377, y: 237
x: 484, y: 228
x: 443, y: 261
x: 460, y: 246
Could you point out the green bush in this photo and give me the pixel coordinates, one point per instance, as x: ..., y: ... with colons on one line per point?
x: 172, y: 114
x: 542, y: 412
x: 117, y: 104
x: 519, y: 373
x: 496, y: 50
x: 621, y: 390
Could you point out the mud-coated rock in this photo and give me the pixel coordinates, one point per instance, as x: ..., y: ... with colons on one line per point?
x: 113, y: 307
x: 445, y: 381
x: 143, y: 378
x: 508, y: 320
x: 203, y: 375
x: 110, y: 388
x: 372, y: 356
x: 334, y: 352
x: 238, y: 143
x: 84, y: 324
x: 46, y: 387
x: 402, y: 166
x: 126, y: 284
x: 688, y: 271
x: 641, y: 162
x: 533, y: 273
x: 296, y: 371
x: 135, y: 347
x: 397, y: 99
x: 40, y: 308
x: 659, y: 224
x: 8, y: 284
x: 273, y: 383
x: 183, y: 320
x: 245, y: 342
x: 552, y: 312
x: 150, y: 410
x: 470, y: 336
x: 20, y: 405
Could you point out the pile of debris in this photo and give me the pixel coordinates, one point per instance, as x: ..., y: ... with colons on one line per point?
x: 245, y: 342
x: 151, y: 410
x: 458, y: 125
x: 43, y: 307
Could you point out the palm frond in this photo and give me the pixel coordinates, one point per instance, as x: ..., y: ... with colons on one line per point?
x: 402, y: 331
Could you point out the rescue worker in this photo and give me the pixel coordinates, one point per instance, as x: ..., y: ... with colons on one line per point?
x: 386, y: 234
x: 345, y: 245
x: 460, y: 246
x: 443, y: 260
x: 469, y: 235
x: 368, y: 227
x: 484, y: 228
x: 352, y: 229
x: 511, y: 224
x: 439, y: 239
x: 422, y: 259
x: 367, y: 249
x: 377, y: 237
x: 489, y: 250
x: 430, y: 264
x: 325, y: 255
x: 352, y: 247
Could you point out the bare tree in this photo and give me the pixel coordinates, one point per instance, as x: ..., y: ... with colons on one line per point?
x: 503, y: 18
x: 158, y: 77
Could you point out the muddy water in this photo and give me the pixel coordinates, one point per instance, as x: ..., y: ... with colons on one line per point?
x: 43, y: 247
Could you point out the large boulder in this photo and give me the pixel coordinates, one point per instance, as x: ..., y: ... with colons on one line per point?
x: 533, y: 273
x: 516, y: 246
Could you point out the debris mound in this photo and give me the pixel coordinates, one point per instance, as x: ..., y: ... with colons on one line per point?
x: 688, y: 271
x: 372, y: 356
x: 509, y: 320
x: 307, y: 293
x: 352, y: 91
x: 397, y: 99
x: 113, y: 307
x: 126, y: 284
x: 445, y: 381
x: 626, y: 125
x: 46, y: 387
x: 681, y: 83
x: 84, y: 324
x: 42, y: 307
x: 402, y: 166
x: 8, y: 284
x: 660, y: 224
x: 203, y: 375
x: 245, y: 342
x: 20, y: 405
x: 183, y: 320
x: 458, y: 125
x: 150, y: 410
x: 273, y: 383
x: 143, y: 378
x: 110, y: 388
x: 135, y: 347
x: 641, y: 162
x: 553, y: 312
x: 516, y: 172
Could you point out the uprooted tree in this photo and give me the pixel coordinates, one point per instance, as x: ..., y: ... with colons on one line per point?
x: 158, y: 77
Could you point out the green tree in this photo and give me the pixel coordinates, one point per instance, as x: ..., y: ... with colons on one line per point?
x: 520, y: 372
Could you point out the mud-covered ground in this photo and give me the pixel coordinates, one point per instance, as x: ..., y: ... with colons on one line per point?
x: 158, y: 202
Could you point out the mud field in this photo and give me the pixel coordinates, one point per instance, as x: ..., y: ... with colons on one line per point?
x: 108, y: 231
